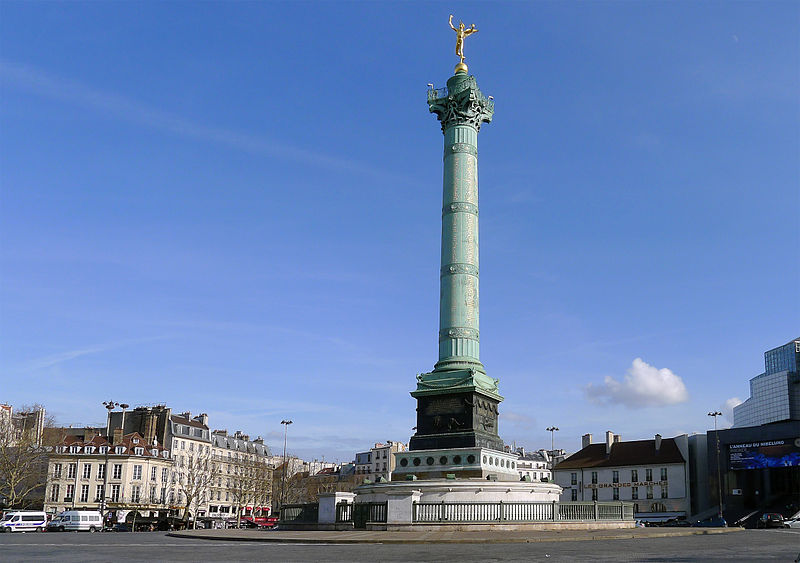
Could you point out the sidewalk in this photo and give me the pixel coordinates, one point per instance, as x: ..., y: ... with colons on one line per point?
x: 362, y: 536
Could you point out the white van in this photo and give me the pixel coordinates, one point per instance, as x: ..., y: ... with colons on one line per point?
x: 77, y: 521
x: 23, y: 521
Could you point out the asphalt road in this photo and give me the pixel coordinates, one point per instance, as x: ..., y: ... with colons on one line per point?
x: 750, y: 545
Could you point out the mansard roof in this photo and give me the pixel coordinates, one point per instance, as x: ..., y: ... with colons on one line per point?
x: 637, y: 452
x: 129, y: 442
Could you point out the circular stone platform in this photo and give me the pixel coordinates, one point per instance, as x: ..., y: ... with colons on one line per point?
x: 462, y: 490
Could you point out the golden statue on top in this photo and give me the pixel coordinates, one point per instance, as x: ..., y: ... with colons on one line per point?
x: 461, y: 32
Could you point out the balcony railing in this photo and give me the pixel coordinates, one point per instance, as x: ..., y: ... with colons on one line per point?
x: 445, y: 92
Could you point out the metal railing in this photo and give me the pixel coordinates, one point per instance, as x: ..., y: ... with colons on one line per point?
x: 520, y: 511
x: 364, y: 512
x: 300, y: 513
x: 344, y: 512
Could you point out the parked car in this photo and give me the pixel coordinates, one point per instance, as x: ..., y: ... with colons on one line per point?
x: 23, y: 521
x: 792, y: 523
x: 121, y: 527
x: 770, y: 520
x: 715, y: 522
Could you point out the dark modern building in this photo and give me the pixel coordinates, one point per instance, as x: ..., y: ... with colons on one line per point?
x: 775, y: 394
x: 758, y: 460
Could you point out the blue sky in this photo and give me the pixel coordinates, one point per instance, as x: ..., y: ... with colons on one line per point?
x: 234, y: 208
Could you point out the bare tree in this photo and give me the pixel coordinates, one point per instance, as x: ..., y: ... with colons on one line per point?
x: 194, y: 473
x: 252, y: 484
x: 262, y: 483
x: 23, y: 457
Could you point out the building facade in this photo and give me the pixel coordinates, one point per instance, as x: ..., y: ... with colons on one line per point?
x: 178, y: 468
x: 27, y: 423
x: 242, y: 480
x: 775, y: 394
x: 652, y: 474
x: 534, y: 466
x: 378, y: 462
x: 115, y: 478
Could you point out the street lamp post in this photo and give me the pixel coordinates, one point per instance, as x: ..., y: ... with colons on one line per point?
x: 109, y: 405
x: 552, y: 430
x: 715, y: 414
x: 286, y: 424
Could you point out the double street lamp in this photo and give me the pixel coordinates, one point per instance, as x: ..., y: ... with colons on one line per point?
x: 715, y: 414
x: 286, y: 424
x: 552, y: 430
x: 110, y: 406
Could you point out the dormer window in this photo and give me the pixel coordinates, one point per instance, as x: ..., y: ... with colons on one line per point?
x: 103, y: 449
x: 74, y: 449
x: 119, y: 450
x: 138, y: 451
x: 135, y: 440
x: 89, y: 449
x: 154, y: 452
x: 165, y: 453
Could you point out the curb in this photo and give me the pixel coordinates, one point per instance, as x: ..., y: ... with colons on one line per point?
x: 465, y: 540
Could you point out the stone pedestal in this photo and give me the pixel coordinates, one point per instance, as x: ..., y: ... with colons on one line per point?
x: 462, y: 463
x: 327, y: 506
x: 400, y: 496
x: 400, y: 505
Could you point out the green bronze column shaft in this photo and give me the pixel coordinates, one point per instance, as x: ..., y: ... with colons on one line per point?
x: 459, y: 337
x: 461, y: 112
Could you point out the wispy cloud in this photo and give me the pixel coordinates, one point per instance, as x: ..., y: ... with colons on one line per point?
x: 41, y: 83
x: 642, y: 386
x: 55, y: 359
x: 519, y: 420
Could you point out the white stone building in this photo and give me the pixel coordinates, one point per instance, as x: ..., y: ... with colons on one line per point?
x: 210, y: 475
x: 378, y: 462
x: 534, y: 465
x: 127, y: 475
x: 652, y: 474
x: 243, y: 479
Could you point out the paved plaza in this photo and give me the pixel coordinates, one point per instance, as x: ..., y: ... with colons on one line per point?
x: 747, y: 545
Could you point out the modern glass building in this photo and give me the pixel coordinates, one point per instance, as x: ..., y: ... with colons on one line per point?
x: 775, y: 394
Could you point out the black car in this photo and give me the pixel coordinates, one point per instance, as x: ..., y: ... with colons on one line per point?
x: 771, y: 520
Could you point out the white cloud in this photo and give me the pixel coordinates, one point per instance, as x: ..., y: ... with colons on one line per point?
x: 727, y: 408
x: 643, y: 386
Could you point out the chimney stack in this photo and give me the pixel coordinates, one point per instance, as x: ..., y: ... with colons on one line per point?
x: 202, y: 418
x: 609, y: 441
x: 586, y: 440
x: 117, y: 436
x: 658, y: 442
x: 150, y: 419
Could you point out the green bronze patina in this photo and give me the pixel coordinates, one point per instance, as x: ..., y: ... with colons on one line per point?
x: 459, y: 374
